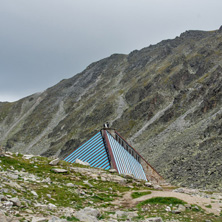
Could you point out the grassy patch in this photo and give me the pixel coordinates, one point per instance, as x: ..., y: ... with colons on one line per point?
x: 102, y: 197
x: 139, y: 194
x: 161, y: 200
x: 70, y: 218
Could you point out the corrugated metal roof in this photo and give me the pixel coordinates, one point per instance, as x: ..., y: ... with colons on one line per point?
x: 125, y: 162
x: 93, y: 151
x: 99, y: 151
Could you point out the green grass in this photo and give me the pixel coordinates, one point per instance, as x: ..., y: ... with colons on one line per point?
x: 135, y: 195
x: 98, y: 196
x: 70, y: 218
x: 102, y: 197
x: 60, y: 193
x: 161, y: 200
x: 208, y: 206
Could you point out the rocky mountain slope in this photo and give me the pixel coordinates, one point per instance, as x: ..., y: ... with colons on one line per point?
x: 165, y: 99
x: 39, y: 189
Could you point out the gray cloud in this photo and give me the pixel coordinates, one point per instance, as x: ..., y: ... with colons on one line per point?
x: 44, y: 41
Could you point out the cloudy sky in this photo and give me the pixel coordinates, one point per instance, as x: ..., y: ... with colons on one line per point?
x: 45, y: 41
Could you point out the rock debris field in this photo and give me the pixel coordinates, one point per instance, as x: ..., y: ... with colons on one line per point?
x: 40, y: 189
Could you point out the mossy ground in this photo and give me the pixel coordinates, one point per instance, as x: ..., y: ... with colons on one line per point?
x: 100, y: 194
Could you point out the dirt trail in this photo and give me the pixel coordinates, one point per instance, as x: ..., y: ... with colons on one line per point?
x: 127, y: 200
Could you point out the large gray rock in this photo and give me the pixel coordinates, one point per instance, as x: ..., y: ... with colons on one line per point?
x: 129, y: 176
x: 70, y: 185
x: 34, y: 193
x: 148, y: 184
x: 3, y: 217
x: 54, y: 162
x: 16, y: 201
x: 87, y: 215
x: 14, y: 185
x: 157, y: 187
x: 179, y: 209
x: 39, y: 219
x: 58, y: 170
x: 87, y: 183
x: 120, y: 214
x: 154, y: 219
x: 12, y: 176
x: 56, y: 219
x: 46, y: 180
x: 51, y: 206
x: 113, y: 171
x: 82, y: 162
x: 27, y: 157
x: 3, y: 198
x: 85, y: 218
x: 118, y: 179
x: 8, y: 204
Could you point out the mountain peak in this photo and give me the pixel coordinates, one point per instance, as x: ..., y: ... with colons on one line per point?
x: 165, y: 99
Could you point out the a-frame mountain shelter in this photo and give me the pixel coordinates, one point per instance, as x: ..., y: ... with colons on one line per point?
x: 107, y: 149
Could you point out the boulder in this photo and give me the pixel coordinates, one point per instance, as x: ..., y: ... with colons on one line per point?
x: 128, y: 214
x: 3, y: 217
x: 70, y: 185
x: 16, y: 201
x: 27, y: 157
x: 188, y: 206
x: 49, y: 196
x: 51, y: 206
x: 3, y: 198
x: 39, y: 219
x: 14, y: 185
x: 12, y: 176
x: 181, y: 208
x: 46, y: 180
x: 8, y: 204
x: 154, y: 219
x: 157, y: 187
x: 56, y: 219
x: 34, y: 193
x: 87, y: 183
x: 148, y: 184
x: 118, y: 179
x: 168, y: 209
x: 94, y: 176
x: 54, y: 162
x: 129, y: 176
x: 113, y: 171
x: 57, y: 170
x: 87, y: 215
x: 82, y: 162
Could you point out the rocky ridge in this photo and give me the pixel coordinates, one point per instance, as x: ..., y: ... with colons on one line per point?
x: 166, y: 99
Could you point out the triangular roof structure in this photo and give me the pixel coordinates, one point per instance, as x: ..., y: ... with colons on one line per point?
x: 107, y: 149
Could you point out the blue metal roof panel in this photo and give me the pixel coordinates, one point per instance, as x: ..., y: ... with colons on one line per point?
x: 92, y: 151
x: 82, y: 147
x: 125, y: 162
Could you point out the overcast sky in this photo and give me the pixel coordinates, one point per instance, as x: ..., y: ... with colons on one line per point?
x: 45, y: 41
